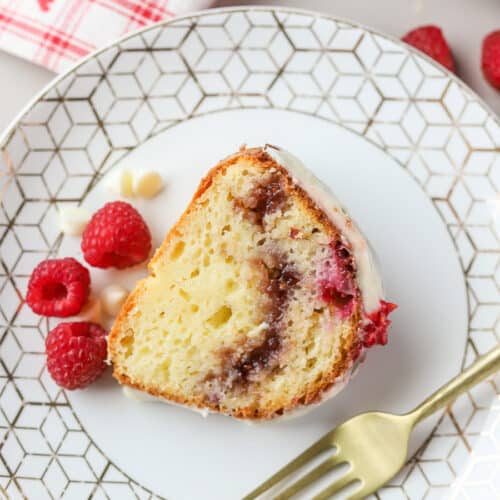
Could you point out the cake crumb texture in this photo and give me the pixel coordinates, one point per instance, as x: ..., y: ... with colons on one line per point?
x: 232, y: 317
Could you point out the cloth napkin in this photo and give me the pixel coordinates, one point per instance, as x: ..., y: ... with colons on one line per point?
x: 56, y: 33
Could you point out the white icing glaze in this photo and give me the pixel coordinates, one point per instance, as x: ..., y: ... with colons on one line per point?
x: 144, y: 397
x: 368, y: 277
x: 302, y: 410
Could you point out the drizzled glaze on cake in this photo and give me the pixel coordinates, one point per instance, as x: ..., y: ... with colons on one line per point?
x: 367, y: 275
x: 375, y: 323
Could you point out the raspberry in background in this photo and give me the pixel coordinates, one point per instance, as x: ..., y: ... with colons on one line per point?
x: 430, y: 40
x: 116, y: 236
x: 76, y: 353
x: 490, y: 58
x: 58, y: 287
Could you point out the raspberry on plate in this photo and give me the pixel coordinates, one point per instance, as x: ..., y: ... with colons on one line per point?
x: 490, y: 58
x: 116, y: 236
x: 76, y: 353
x: 58, y: 287
x: 431, y: 41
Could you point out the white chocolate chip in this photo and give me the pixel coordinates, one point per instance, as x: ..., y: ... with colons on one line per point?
x: 73, y: 220
x: 147, y: 183
x: 121, y: 183
x: 140, y: 183
x: 112, y: 298
x: 91, y: 311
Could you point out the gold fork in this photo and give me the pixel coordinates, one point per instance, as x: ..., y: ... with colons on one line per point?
x: 375, y: 444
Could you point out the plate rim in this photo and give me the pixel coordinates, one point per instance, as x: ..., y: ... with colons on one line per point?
x: 10, y: 128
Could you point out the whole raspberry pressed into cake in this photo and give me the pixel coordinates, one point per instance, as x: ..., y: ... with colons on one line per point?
x: 260, y: 300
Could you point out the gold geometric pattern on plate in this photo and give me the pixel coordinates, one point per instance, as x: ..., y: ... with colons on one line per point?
x: 433, y: 126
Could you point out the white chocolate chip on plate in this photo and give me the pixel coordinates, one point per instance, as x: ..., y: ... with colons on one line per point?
x: 112, y: 298
x: 73, y: 220
x: 147, y: 183
x: 121, y: 183
x: 91, y: 311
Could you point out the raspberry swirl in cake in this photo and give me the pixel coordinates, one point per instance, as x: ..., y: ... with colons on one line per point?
x: 344, y: 273
x: 260, y: 300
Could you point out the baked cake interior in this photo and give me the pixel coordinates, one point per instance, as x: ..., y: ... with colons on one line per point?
x: 251, y: 307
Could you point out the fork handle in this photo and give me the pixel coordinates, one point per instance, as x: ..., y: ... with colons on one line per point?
x: 486, y: 365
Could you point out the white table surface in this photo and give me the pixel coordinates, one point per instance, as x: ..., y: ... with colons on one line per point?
x: 465, y: 23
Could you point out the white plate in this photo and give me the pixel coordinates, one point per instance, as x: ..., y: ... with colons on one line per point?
x: 410, y: 151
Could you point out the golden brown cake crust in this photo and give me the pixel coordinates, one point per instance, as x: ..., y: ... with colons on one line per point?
x: 346, y: 352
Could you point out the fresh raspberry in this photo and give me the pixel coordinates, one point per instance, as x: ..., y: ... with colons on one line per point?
x: 76, y: 353
x: 116, y: 236
x: 490, y: 59
x: 374, y: 330
x: 58, y: 287
x: 430, y: 40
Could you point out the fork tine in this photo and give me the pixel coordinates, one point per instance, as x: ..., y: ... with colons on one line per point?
x: 336, y: 486
x: 319, y: 446
x: 310, y: 477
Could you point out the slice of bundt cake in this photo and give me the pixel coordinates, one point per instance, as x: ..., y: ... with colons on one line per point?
x: 259, y: 301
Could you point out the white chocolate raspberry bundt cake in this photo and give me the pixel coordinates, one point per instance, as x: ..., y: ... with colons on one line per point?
x: 259, y: 301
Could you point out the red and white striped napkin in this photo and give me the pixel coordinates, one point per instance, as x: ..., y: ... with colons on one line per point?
x: 56, y: 33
